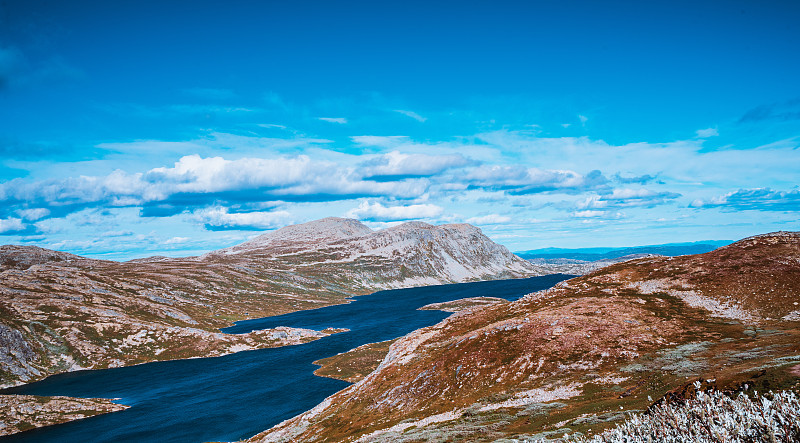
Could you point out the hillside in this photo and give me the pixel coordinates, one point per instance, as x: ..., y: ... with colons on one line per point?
x: 61, y: 312
x: 577, y: 357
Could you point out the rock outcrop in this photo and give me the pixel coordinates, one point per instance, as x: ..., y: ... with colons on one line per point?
x: 23, y: 412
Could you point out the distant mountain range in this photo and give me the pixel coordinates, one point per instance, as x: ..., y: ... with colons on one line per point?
x: 593, y: 254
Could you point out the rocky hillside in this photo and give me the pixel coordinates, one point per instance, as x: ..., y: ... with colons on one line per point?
x: 578, y: 357
x: 60, y: 312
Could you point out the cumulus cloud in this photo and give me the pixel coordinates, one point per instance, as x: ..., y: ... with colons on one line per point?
x: 339, y: 120
x: 490, y: 219
x: 625, y: 198
x: 518, y: 180
x: 197, y: 181
x: 33, y: 214
x: 411, y: 114
x: 378, y: 212
x: 218, y: 218
x: 397, y: 166
x: 760, y: 199
x: 11, y: 225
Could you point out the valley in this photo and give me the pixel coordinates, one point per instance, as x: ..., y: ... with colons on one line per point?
x: 473, y: 365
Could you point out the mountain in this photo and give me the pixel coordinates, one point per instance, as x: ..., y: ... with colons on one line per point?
x: 61, y: 312
x: 594, y: 254
x: 576, y: 358
x: 410, y: 254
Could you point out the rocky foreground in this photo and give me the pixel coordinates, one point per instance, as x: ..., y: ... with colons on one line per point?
x: 578, y: 357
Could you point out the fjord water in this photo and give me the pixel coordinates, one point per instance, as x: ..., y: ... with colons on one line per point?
x: 236, y: 396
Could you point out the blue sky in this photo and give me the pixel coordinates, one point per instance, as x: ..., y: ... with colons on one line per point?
x: 130, y: 129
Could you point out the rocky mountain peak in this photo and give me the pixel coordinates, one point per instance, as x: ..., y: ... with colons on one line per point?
x: 411, y: 226
x: 329, y: 230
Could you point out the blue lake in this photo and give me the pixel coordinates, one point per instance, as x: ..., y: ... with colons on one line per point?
x: 239, y: 395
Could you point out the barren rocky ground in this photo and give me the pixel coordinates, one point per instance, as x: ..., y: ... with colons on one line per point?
x: 580, y: 356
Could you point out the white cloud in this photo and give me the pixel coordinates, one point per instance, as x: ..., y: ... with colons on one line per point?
x: 588, y: 213
x: 34, y: 213
x: 761, y: 199
x: 706, y: 133
x: 339, y: 120
x: 378, y: 212
x: 396, y: 164
x: 583, y: 119
x: 11, y: 225
x: 521, y: 180
x: 197, y: 181
x: 491, y: 219
x: 683, y: 161
x: 626, y: 197
x: 219, y: 218
x: 411, y: 114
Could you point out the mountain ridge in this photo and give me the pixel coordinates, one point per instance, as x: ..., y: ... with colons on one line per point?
x: 601, y: 253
